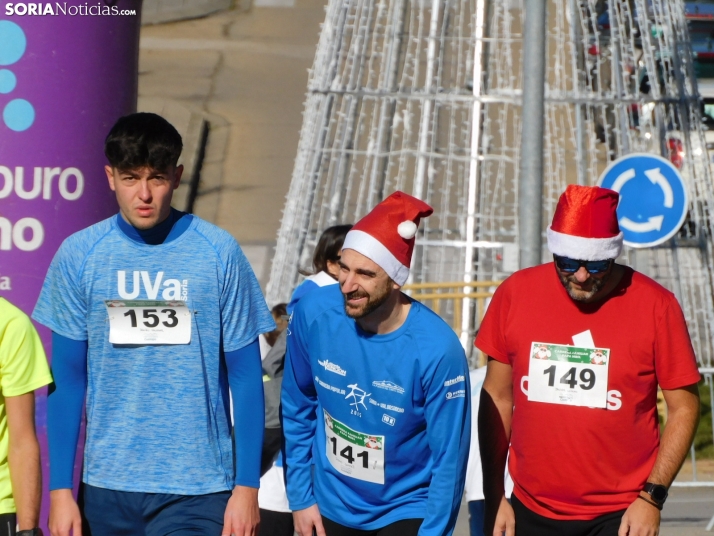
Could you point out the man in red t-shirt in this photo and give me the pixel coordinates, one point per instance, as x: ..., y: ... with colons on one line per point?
x: 576, y: 351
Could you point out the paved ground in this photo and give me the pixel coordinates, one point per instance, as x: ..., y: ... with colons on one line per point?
x: 686, y: 513
x: 248, y: 72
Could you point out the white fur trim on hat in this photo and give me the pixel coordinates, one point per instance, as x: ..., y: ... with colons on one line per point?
x: 584, y: 249
x: 373, y: 249
x: 407, y: 229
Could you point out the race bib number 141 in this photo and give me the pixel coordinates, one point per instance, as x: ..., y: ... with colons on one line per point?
x: 148, y: 322
x: 561, y: 374
x: 353, y: 453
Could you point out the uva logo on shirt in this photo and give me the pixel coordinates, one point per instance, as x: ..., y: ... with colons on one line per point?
x: 153, y: 286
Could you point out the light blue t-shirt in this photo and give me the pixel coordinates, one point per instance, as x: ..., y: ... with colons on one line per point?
x: 157, y: 415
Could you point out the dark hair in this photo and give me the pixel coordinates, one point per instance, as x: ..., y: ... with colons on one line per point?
x: 143, y: 140
x: 279, y: 310
x: 329, y: 246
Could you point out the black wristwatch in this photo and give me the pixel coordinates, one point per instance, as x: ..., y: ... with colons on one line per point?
x: 29, y: 532
x: 657, y: 492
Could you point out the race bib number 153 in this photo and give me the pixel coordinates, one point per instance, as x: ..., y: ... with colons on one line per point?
x: 148, y: 322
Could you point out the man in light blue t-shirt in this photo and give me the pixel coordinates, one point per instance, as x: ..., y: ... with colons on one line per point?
x: 155, y: 314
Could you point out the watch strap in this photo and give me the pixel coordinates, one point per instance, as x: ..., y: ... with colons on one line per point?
x: 649, y: 501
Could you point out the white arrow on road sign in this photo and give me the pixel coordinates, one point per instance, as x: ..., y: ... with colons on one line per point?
x: 656, y: 177
x: 652, y: 224
x: 622, y: 179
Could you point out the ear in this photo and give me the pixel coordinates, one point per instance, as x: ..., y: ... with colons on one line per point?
x: 109, y: 170
x: 178, y: 172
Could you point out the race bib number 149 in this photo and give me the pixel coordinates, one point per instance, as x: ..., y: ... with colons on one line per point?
x: 561, y: 374
x: 148, y: 322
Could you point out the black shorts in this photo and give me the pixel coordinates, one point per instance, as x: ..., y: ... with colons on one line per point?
x: 528, y: 523
x: 8, y: 523
x: 276, y: 523
x: 404, y: 527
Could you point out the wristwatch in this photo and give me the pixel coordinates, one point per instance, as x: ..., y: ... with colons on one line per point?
x: 657, y: 492
x: 29, y: 532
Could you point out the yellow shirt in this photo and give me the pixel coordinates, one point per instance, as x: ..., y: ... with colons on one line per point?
x: 23, y: 368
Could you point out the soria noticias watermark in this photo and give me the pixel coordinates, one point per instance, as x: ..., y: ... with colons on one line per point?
x: 99, y: 9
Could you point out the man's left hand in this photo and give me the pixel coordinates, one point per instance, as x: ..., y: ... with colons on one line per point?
x: 242, y: 517
x: 640, y: 519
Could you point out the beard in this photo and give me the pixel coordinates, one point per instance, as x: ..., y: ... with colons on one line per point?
x: 374, y: 301
x: 569, y: 282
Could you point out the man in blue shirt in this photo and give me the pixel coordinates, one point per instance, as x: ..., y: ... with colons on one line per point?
x: 375, y: 394
x: 155, y: 314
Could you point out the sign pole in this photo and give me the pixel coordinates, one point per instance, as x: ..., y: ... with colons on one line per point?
x: 530, y: 184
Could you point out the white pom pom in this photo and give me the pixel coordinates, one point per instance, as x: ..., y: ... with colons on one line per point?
x: 407, y: 229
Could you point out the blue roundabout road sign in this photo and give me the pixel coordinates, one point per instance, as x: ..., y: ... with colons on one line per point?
x: 653, y: 198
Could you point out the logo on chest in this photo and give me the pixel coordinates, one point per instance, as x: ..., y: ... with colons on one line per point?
x: 332, y: 367
x: 152, y: 286
x: 358, y: 397
x: 388, y: 386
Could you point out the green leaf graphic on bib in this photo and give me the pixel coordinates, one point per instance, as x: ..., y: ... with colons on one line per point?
x: 354, y: 454
x: 570, y: 354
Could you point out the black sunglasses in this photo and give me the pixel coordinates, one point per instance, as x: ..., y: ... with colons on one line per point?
x: 566, y: 264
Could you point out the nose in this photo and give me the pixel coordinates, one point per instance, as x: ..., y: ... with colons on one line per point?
x: 144, y: 191
x: 582, y: 275
x: 347, y: 282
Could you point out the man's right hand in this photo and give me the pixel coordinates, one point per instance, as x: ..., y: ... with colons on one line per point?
x: 305, y: 520
x: 505, y: 520
x: 65, y: 519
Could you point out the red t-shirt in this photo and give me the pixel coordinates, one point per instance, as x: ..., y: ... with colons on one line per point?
x: 574, y: 462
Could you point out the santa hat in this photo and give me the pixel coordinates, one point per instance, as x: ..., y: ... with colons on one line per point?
x: 585, y: 224
x: 386, y: 235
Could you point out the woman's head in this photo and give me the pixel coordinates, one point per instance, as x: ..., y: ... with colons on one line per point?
x: 327, y: 251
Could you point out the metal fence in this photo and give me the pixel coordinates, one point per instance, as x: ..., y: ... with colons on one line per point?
x: 695, y: 480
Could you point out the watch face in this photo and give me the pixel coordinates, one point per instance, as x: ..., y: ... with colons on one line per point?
x: 659, y: 493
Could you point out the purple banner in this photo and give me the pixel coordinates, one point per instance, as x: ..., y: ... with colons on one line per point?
x: 68, y: 71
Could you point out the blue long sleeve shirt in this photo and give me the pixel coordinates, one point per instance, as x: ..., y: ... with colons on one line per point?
x: 384, y: 418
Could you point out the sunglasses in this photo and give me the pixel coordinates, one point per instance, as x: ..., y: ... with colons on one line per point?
x: 566, y: 264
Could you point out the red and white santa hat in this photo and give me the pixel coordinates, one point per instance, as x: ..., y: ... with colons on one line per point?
x: 386, y: 235
x: 585, y: 224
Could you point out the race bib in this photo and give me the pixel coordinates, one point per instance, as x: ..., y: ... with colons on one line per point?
x: 148, y: 322
x: 570, y: 375
x: 353, y: 453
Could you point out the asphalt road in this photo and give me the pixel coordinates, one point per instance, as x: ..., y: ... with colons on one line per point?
x: 686, y: 513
